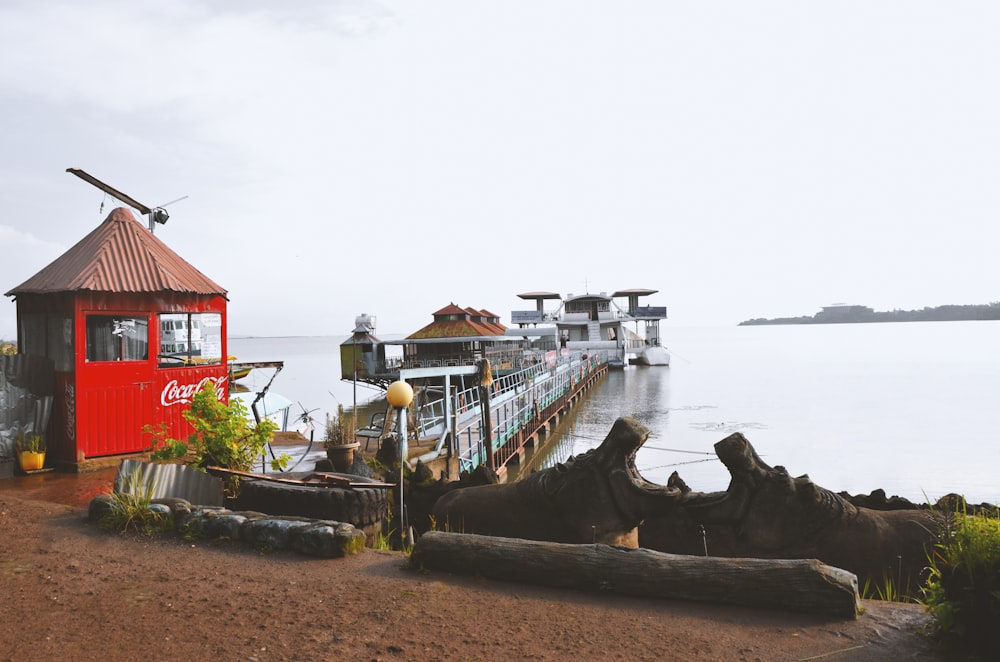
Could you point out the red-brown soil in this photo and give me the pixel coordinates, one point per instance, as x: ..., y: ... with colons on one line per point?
x: 74, y: 592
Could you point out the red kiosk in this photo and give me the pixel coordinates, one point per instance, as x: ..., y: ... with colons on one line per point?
x: 133, y: 332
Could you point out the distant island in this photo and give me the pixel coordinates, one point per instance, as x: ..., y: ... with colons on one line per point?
x: 847, y: 314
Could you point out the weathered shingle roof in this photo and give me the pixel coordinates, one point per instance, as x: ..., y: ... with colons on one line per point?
x: 452, y: 329
x: 450, y: 309
x: 493, y: 320
x: 464, y: 327
x: 120, y: 255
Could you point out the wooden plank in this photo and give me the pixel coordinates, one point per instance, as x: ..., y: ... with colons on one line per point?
x: 317, y: 479
x: 802, y: 585
x: 345, y: 480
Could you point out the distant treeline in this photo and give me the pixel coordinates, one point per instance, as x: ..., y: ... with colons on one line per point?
x: 853, y: 314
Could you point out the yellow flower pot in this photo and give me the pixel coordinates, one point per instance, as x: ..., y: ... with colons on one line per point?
x: 31, y: 461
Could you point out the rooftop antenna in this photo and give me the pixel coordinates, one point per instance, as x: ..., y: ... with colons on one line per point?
x: 153, y: 214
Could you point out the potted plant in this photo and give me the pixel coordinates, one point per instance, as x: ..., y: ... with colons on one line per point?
x: 30, y: 451
x: 339, y: 449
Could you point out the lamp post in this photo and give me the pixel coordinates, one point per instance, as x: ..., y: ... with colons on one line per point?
x: 400, y: 395
x: 354, y: 411
x: 361, y: 326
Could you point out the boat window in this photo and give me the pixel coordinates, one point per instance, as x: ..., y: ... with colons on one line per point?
x: 190, y: 339
x: 117, y: 338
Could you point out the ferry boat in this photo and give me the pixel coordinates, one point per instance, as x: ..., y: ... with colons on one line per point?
x: 599, y: 324
x: 457, y: 337
x: 176, y: 339
x: 463, y: 364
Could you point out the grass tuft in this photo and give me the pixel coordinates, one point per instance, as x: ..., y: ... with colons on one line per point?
x: 130, y: 510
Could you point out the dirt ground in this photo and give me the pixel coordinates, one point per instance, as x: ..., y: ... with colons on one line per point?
x: 72, y: 591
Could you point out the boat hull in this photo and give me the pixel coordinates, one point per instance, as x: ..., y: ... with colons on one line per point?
x: 652, y: 356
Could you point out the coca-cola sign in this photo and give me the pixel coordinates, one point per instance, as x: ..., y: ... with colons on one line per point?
x: 175, y: 393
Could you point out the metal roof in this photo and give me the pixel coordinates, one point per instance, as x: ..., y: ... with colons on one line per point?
x: 539, y: 295
x: 636, y: 291
x: 603, y: 296
x: 168, y: 480
x: 120, y: 255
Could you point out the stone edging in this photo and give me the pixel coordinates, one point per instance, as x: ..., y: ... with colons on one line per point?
x: 323, y: 538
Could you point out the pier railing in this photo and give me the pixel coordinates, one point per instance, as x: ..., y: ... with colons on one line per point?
x: 466, y: 404
x: 506, y: 359
x: 519, y: 404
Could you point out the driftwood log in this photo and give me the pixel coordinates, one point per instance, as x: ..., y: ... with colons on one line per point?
x: 766, y: 513
x: 795, y: 585
x: 597, y: 496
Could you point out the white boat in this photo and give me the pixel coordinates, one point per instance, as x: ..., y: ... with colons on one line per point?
x: 597, y: 324
x: 268, y: 405
x: 260, y: 401
x: 652, y: 355
x: 176, y: 338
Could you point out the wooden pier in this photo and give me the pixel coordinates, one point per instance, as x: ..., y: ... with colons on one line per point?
x: 451, y: 435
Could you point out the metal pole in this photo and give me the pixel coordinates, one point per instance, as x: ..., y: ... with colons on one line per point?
x: 403, y: 453
x: 354, y: 411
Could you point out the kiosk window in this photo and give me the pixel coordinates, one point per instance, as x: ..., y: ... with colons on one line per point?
x: 190, y: 338
x: 117, y: 338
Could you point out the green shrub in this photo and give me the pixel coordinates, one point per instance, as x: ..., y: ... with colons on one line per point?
x: 963, y: 590
x: 222, y: 436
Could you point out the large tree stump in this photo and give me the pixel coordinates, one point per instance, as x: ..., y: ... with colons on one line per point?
x: 766, y: 513
x: 795, y: 585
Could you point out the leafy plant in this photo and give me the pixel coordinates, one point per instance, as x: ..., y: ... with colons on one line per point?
x: 30, y: 443
x: 222, y: 436
x: 963, y: 590
x: 130, y: 509
x: 337, y: 430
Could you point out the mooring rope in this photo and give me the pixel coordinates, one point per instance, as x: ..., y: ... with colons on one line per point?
x: 712, y: 458
x: 679, y: 450
x: 677, y: 464
x: 652, y: 448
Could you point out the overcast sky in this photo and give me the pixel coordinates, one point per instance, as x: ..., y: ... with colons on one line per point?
x: 746, y: 159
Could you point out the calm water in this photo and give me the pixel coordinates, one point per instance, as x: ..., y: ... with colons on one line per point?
x: 911, y: 408
x: 310, y: 377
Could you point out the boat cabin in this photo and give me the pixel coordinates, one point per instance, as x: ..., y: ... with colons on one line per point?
x: 456, y: 337
x: 362, y: 356
x: 597, y: 323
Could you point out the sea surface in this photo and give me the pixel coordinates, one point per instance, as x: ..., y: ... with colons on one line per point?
x: 911, y: 408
